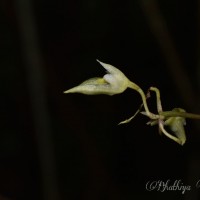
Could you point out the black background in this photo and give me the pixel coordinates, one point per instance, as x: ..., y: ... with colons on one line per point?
x: 92, y: 157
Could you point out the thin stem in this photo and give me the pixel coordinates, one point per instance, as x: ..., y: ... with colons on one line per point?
x: 179, y: 114
x: 158, y: 100
x: 129, y: 119
x: 171, y: 113
x: 143, y: 96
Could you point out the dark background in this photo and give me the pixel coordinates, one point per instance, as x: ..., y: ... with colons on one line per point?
x: 55, y: 146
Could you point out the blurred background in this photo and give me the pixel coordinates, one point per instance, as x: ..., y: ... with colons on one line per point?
x: 55, y: 146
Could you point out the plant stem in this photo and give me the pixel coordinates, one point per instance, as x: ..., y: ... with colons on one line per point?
x: 179, y: 114
x: 158, y: 100
x: 143, y: 96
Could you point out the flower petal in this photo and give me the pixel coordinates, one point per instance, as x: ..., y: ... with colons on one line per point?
x: 118, y: 81
x: 176, y: 125
x: 92, y: 86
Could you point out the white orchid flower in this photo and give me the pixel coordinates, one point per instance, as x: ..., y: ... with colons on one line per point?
x: 114, y: 82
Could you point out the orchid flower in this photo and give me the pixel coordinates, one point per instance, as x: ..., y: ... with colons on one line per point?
x: 115, y: 82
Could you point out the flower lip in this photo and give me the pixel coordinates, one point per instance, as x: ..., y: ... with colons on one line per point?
x: 176, y: 124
